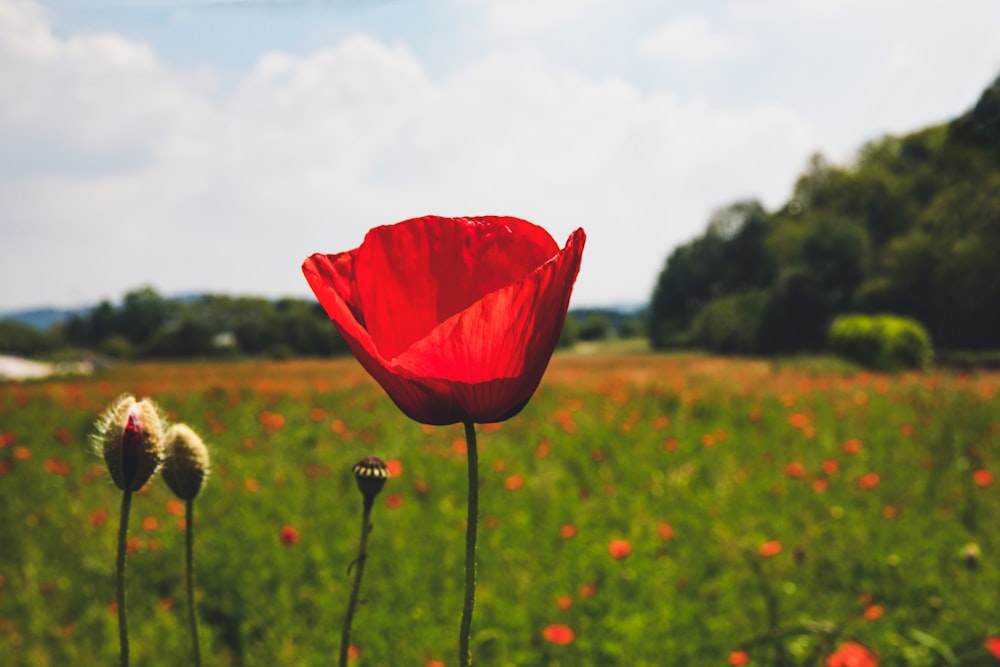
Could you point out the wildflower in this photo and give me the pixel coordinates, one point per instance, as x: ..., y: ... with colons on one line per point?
x: 851, y: 654
x: 769, y: 549
x: 739, y: 658
x: 992, y: 645
x: 874, y: 611
x: 868, y: 481
x: 289, y: 535
x: 558, y: 634
x: 456, y: 318
x: 619, y: 549
x: 982, y: 477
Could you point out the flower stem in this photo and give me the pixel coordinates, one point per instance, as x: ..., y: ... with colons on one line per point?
x: 189, y: 571
x: 471, y: 526
x: 120, y: 578
x: 345, y: 635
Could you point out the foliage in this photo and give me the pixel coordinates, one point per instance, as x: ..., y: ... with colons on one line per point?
x: 731, y: 324
x: 882, y: 342
x: 25, y: 340
x: 148, y: 325
x: 912, y: 227
x: 776, y: 511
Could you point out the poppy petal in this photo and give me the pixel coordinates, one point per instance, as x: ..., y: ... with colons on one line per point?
x: 414, y: 275
x: 451, y: 340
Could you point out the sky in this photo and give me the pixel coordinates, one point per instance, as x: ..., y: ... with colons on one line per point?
x: 212, y: 145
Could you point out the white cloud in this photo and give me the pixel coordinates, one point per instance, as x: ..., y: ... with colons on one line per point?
x: 991, y: 49
x: 235, y: 188
x: 528, y: 16
x: 686, y: 39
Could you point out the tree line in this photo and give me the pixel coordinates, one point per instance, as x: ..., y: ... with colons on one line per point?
x: 148, y: 325
x: 911, y: 228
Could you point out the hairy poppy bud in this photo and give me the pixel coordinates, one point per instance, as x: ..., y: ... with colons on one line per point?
x: 130, y: 436
x: 186, y: 466
x: 371, y: 474
x: 971, y: 555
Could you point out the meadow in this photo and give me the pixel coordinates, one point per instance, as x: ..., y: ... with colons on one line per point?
x: 643, y: 510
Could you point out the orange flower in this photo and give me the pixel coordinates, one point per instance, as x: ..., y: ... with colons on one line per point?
x: 795, y: 470
x: 56, y: 466
x: 558, y: 634
x: 395, y: 467
x: 568, y: 531
x: 514, y: 482
x: 665, y: 530
x: 982, y: 477
x: 619, y: 549
x: 851, y: 447
x: 874, y: 611
x: 868, y: 481
x: 564, y: 602
x: 852, y: 655
x: 769, y: 549
x: 289, y: 535
x: 739, y: 658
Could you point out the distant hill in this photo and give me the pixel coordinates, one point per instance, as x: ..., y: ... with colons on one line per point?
x: 911, y: 227
x: 42, y: 318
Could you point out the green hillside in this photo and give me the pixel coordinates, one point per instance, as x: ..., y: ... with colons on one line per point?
x: 911, y: 228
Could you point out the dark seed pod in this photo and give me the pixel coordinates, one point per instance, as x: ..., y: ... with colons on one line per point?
x: 371, y: 474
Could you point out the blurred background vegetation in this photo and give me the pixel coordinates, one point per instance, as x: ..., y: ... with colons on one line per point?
x: 911, y: 229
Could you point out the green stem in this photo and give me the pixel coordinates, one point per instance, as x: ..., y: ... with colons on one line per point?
x: 189, y: 571
x: 120, y: 579
x: 345, y: 636
x: 471, y: 526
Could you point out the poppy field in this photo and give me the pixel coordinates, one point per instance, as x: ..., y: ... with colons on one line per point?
x: 641, y: 510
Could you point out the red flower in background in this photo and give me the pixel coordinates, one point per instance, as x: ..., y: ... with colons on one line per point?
x: 739, y: 658
x: 456, y: 318
x: 852, y: 655
x: 289, y: 535
x: 559, y: 634
x: 992, y: 645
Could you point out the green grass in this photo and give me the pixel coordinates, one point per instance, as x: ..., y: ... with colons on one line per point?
x: 617, y: 446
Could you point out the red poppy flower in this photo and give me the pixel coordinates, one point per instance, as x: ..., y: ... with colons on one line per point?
x: 559, y: 634
x: 456, y: 318
x: 619, y: 549
x: 739, y: 658
x: 770, y: 549
x: 289, y: 535
x: 852, y: 655
x: 992, y: 645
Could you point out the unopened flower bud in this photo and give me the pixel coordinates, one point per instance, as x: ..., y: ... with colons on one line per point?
x: 129, y: 434
x: 187, y: 462
x: 371, y: 474
x: 971, y: 555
